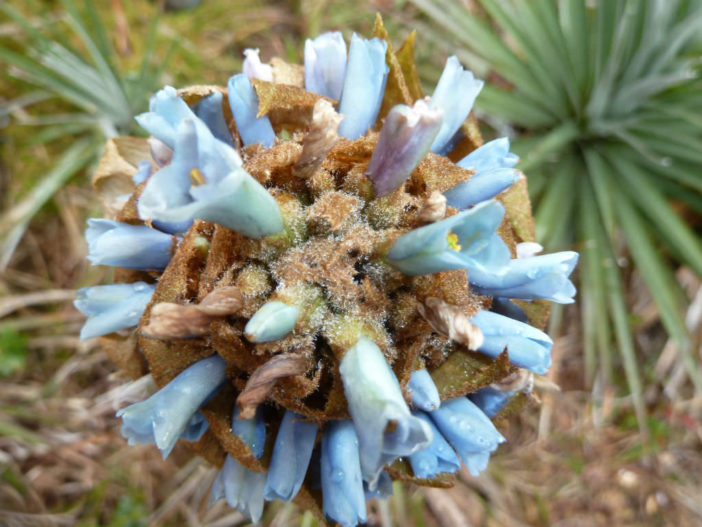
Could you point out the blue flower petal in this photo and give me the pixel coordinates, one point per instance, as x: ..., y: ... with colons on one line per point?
x: 527, y: 346
x: 544, y: 276
x: 343, y: 498
x: 426, y: 250
x: 241, y: 487
x: 130, y: 246
x: 383, y: 489
x: 168, y: 413
x: 228, y: 195
x: 325, y: 64
x: 209, y: 110
x: 251, y: 431
x: 291, y: 457
x: 244, y: 103
x: 166, y: 111
x: 437, y: 458
x: 423, y: 392
x: 480, y: 187
x: 196, y: 427
x: 476, y: 462
x: 364, y: 85
x: 143, y: 172
x: 491, y: 156
x: 455, y: 94
x: 466, y: 427
x: 375, y: 401
x: 112, y: 307
x: 490, y: 400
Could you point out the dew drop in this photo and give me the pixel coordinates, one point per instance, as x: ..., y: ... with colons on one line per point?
x: 337, y: 476
x: 139, y: 287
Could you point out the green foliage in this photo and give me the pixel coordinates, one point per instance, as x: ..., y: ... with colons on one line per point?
x: 69, y: 59
x: 13, y: 351
x: 607, y: 98
x: 131, y: 511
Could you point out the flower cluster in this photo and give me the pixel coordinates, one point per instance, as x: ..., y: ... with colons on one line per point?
x: 329, y: 278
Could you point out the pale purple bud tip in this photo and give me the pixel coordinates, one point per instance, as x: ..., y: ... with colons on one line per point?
x: 253, y: 68
x: 404, y: 140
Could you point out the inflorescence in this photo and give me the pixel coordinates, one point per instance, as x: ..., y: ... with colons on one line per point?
x: 329, y: 277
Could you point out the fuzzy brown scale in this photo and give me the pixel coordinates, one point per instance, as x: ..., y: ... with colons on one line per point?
x: 329, y: 260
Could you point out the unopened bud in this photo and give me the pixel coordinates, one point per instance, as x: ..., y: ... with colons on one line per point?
x: 449, y: 320
x: 264, y: 379
x: 322, y: 136
x: 434, y: 208
x: 222, y: 301
x: 519, y: 381
x: 176, y: 321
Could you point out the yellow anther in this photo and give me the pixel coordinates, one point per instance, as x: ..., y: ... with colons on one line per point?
x: 196, y: 177
x: 453, y: 241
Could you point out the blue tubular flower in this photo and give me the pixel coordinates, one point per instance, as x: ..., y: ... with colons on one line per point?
x: 438, y: 457
x: 364, y: 85
x: 383, y: 488
x: 272, y: 321
x: 224, y: 193
x: 251, y: 431
x: 244, y: 103
x: 455, y: 94
x: 325, y: 64
x: 342, y: 486
x: 480, y: 187
x: 291, y: 457
x: 527, y: 346
x: 468, y: 429
x: 544, y: 276
x: 131, y: 246
x: 209, y: 110
x: 241, y: 487
x: 140, y: 429
x: 166, y: 112
x: 491, y: 156
x: 404, y: 140
x: 476, y: 462
x: 432, y: 248
x: 490, y: 400
x: 197, y: 426
x: 423, y: 392
x: 375, y: 401
x: 167, y: 414
x: 112, y: 307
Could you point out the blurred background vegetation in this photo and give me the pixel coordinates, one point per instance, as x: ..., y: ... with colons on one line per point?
x: 603, y: 101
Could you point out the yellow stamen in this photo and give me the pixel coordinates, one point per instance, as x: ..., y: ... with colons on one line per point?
x: 453, y: 241
x: 196, y: 177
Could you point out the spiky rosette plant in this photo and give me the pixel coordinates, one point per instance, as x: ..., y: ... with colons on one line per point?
x: 606, y: 97
x: 330, y: 295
